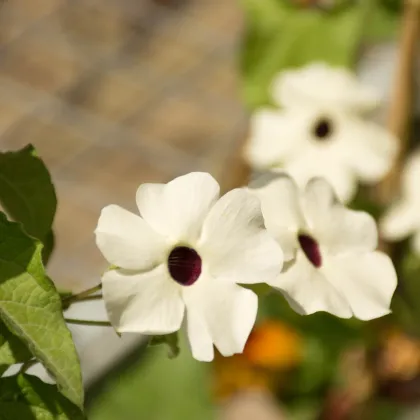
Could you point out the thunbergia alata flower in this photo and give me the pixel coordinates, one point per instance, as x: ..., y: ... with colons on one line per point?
x: 181, y: 260
x: 403, y: 218
x: 319, y: 83
x: 332, y: 263
x: 315, y: 135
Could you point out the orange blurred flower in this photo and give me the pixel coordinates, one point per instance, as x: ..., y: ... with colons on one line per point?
x: 274, y: 345
x: 272, y: 348
x: 400, y: 356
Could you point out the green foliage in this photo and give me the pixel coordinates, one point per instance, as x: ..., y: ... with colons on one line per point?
x: 393, y: 5
x: 12, y: 350
x: 364, y: 203
x: 304, y: 408
x: 26, y: 397
x: 260, y: 289
x: 26, y: 191
x: 406, y: 311
x: 30, y: 306
x: 170, y: 340
x: 157, y: 388
x: 280, y: 37
x: 383, y: 22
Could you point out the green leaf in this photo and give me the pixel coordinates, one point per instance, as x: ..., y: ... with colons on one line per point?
x: 26, y: 397
x: 49, y: 244
x: 12, y: 350
x: 30, y: 306
x: 26, y: 191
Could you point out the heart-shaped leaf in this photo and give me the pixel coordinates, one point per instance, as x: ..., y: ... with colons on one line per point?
x: 26, y: 191
x: 30, y: 306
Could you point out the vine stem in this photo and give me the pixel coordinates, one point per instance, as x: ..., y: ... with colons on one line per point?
x: 88, y: 322
x: 27, y: 365
x: 85, y: 295
x: 400, y: 109
x: 86, y: 298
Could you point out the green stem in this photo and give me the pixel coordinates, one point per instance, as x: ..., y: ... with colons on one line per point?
x: 86, y: 298
x: 68, y: 300
x: 28, y: 364
x: 401, y: 103
x: 88, y: 322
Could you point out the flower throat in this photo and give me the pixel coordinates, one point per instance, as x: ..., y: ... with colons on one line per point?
x: 311, y: 250
x: 184, y: 265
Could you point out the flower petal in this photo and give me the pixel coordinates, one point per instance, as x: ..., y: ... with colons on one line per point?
x: 367, y: 281
x: 147, y: 303
x: 280, y: 207
x: 151, y: 205
x: 401, y: 220
x: 309, y: 291
x: 338, y: 229
x: 369, y: 149
x: 199, y: 337
x: 229, y: 312
x: 127, y: 241
x: 178, y: 208
x: 274, y: 136
x: 321, y: 83
x: 235, y: 244
x: 315, y: 162
x: 410, y: 178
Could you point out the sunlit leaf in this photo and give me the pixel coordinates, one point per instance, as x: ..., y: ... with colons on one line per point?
x: 26, y: 397
x: 30, y: 306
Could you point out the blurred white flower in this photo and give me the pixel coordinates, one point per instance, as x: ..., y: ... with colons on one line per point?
x: 333, y: 265
x: 321, y: 140
x: 321, y: 84
x: 403, y: 218
x: 186, y: 253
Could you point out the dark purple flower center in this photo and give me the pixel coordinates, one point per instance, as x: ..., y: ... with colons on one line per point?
x: 310, y: 248
x: 323, y: 129
x: 184, y: 265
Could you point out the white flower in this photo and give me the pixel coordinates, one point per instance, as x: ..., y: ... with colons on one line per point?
x: 403, y: 218
x: 321, y: 138
x: 333, y: 265
x: 320, y: 84
x: 182, y: 259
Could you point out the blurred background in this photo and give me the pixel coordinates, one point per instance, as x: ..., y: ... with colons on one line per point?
x: 114, y: 93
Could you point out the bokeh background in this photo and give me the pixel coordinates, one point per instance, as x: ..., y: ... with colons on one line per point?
x: 114, y: 93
